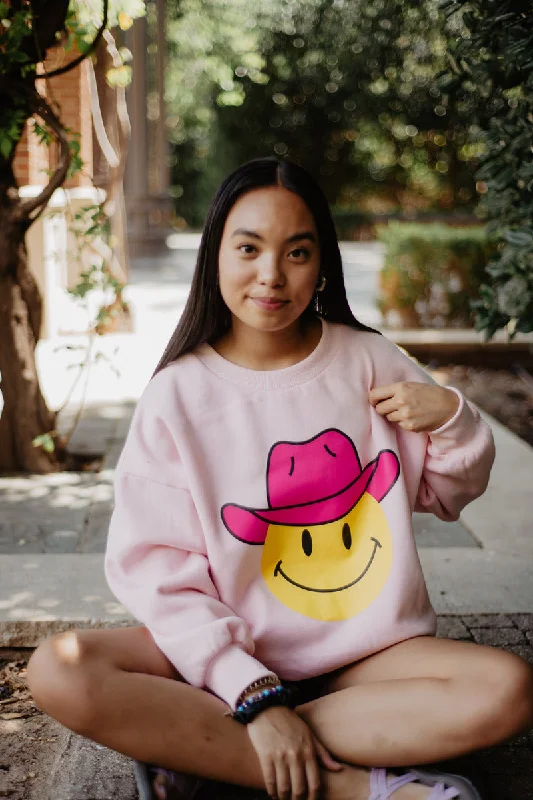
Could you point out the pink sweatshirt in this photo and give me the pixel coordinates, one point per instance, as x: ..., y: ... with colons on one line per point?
x: 262, y: 519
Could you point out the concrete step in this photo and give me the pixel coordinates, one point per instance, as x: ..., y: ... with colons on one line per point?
x: 465, y: 346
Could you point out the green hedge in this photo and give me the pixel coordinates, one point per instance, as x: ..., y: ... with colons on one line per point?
x: 357, y: 224
x: 431, y: 273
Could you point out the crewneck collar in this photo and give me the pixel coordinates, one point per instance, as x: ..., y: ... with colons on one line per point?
x: 301, y: 372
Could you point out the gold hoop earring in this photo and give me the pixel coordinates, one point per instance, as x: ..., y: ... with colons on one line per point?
x: 321, y: 285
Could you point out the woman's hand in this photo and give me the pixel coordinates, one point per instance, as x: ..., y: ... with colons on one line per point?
x: 289, y: 754
x: 415, y: 406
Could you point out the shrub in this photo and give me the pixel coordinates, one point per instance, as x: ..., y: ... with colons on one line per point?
x: 493, y: 61
x: 431, y: 273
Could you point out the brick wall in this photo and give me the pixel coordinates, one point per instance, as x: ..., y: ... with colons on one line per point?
x: 71, y: 91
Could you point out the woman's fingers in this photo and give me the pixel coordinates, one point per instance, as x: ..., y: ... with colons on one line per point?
x: 283, y: 780
x: 298, y: 777
x: 313, y: 779
x: 290, y: 755
x: 386, y: 406
x: 382, y: 392
x: 269, y: 775
x: 325, y: 757
x: 396, y: 416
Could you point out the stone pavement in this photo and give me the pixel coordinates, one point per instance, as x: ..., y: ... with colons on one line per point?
x: 499, y: 773
x: 83, y: 770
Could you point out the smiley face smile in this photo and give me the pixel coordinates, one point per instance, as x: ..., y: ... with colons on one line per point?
x: 311, y: 559
x: 279, y: 571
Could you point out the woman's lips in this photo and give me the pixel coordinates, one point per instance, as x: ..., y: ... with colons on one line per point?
x: 269, y: 303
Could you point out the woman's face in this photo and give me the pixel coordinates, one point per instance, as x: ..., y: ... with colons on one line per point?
x: 269, y: 259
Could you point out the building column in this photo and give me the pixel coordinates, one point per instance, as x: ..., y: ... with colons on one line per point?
x: 147, y: 178
x: 163, y: 149
x: 136, y: 174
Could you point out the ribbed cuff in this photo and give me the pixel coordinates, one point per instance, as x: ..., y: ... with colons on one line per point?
x: 231, y: 672
x: 459, y: 429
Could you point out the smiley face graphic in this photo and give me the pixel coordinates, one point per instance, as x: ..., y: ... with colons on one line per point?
x: 331, y: 571
x: 327, y: 544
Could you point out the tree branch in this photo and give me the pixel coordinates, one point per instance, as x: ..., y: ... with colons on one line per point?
x: 39, y: 106
x: 92, y: 47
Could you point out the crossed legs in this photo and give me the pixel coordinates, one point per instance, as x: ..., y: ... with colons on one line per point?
x: 423, y: 700
x: 420, y: 701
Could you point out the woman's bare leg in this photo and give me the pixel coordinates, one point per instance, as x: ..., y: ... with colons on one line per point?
x: 118, y: 689
x: 423, y: 700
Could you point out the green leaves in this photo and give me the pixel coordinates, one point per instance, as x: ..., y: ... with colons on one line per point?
x: 336, y: 86
x: 89, y: 224
x: 42, y: 133
x: 76, y: 162
x: 6, y: 146
x: 431, y: 272
x: 519, y: 238
x: 15, y: 27
x: 11, y: 125
x: 45, y: 441
x: 85, y: 13
x: 497, y: 54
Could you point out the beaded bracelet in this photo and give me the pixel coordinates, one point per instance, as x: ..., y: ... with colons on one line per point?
x: 260, y: 683
x: 272, y: 696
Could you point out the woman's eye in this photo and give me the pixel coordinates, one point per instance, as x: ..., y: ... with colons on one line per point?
x: 303, y: 250
x: 299, y: 252
x: 246, y: 245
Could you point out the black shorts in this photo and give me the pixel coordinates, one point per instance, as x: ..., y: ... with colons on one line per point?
x: 306, y: 690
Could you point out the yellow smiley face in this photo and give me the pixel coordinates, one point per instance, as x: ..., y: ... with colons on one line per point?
x: 332, y: 571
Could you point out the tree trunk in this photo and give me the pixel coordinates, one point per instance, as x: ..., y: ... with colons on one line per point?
x: 25, y: 414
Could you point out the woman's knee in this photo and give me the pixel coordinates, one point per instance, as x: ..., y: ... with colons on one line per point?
x: 63, y: 677
x: 504, y: 697
x: 519, y: 674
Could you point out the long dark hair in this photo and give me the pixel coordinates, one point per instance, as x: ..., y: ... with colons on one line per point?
x: 206, y: 317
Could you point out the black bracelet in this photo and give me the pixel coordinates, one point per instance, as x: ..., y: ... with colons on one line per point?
x: 249, y: 709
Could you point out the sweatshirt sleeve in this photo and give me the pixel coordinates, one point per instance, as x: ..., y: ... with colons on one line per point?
x: 156, y: 561
x: 457, y: 457
x: 458, y: 460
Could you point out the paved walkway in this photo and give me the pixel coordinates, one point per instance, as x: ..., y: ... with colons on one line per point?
x: 82, y: 770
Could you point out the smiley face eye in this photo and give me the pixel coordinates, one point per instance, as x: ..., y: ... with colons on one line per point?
x: 307, y: 542
x: 346, y: 536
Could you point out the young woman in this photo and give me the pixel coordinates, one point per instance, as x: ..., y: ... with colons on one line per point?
x: 262, y: 535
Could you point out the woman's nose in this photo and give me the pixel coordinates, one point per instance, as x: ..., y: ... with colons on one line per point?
x: 269, y: 271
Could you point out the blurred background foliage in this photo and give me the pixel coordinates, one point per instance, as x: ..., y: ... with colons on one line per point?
x: 431, y: 274
x: 402, y: 109
x: 346, y: 88
x: 493, y: 63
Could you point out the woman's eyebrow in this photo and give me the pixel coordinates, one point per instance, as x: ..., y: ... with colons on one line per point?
x: 296, y: 237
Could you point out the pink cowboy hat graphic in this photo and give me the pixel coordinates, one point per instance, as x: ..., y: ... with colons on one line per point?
x: 312, y: 483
